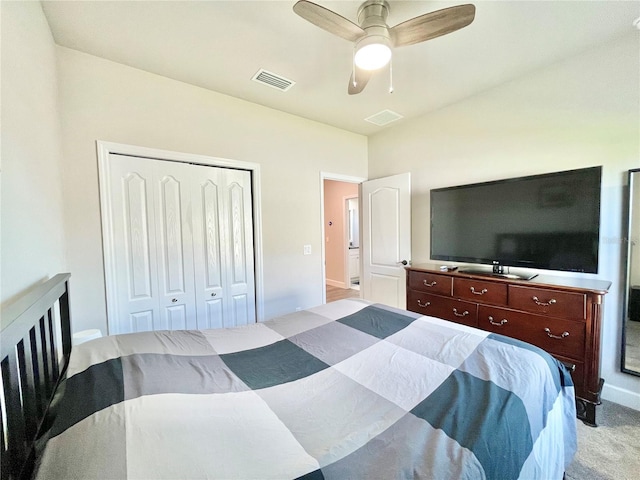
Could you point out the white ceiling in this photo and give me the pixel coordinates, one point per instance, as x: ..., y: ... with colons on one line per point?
x: 220, y: 45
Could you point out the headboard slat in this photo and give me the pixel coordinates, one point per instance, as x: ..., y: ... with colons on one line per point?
x: 52, y: 349
x: 34, y: 374
x: 16, y: 435
x: 46, y: 378
x: 4, y: 459
x: 28, y: 383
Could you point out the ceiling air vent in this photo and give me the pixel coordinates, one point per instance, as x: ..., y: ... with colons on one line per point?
x: 384, y: 117
x: 272, y: 80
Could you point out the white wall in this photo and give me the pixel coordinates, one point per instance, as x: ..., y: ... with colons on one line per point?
x: 577, y: 113
x: 103, y: 100
x: 32, y: 239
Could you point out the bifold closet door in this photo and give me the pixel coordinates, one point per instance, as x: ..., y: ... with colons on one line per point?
x: 183, y: 245
x: 223, y: 247
x: 174, y: 246
x: 152, y: 243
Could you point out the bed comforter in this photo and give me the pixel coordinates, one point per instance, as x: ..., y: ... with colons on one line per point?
x: 346, y: 390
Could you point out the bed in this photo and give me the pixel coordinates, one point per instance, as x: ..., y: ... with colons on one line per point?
x: 344, y: 390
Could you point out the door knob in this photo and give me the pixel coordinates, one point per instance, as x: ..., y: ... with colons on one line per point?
x: 403, y: 262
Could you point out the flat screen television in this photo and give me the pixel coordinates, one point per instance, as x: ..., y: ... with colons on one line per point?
x: 549, y: 222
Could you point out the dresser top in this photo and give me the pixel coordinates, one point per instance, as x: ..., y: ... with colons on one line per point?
x: 540, y: 280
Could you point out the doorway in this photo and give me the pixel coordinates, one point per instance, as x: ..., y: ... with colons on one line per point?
x: 341, y: 236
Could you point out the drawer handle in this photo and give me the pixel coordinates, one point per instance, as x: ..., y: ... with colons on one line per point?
x: 423, y: 305
x: 544, y: 304
x: 432, y: 284
x: 497, y: 324
x: 481, y: 292
x: 463, y: 314
x: 559, y: 337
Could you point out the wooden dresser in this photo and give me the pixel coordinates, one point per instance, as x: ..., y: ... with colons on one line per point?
x: 560, y: 315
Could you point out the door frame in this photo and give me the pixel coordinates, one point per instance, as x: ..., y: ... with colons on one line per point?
x: 339, y: 178
x: 347, y: 253
x: 104, y: 149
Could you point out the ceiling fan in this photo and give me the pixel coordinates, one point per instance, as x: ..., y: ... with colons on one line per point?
x: 373, y: 38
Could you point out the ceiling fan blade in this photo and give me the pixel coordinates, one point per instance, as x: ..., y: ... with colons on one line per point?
x: 328, y: 20
x: 432, y: 25
x: 362, y: 78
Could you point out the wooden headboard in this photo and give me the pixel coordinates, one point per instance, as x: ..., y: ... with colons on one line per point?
x: 35, y: 348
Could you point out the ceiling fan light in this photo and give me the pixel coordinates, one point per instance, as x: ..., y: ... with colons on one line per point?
x: 372, y: 53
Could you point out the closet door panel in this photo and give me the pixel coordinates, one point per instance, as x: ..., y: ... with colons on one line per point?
x: 223, y: 247
x: 213, y: 316
x: 171, y: 236
x: 175, y: 246
x: 208, y: 246
x: 241, y: 309
x: 237, y: 235
x: 133, y: 234
x: 176, y: 317
x: 210, y: 236
x: 141, y: 321
x: 240, y: 274
x: 136, y: 230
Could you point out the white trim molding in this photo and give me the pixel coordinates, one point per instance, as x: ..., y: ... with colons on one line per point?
x: 104, y: 149
x: 621, y: 396
x: 336, y: 283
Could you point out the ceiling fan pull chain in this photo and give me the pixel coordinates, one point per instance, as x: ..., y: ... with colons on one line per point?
x: 391, y: 76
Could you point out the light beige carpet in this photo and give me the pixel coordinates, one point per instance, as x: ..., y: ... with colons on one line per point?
x: 610, y: 451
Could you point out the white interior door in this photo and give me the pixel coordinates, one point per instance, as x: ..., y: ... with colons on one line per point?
x: 171, y: 194
x: 239, y: 251
x: 209, y: 257
x: 386, y: 239
x: 183, y: 245
x: 133, y: 224
x: 223, y: 247
x: 154, y: 254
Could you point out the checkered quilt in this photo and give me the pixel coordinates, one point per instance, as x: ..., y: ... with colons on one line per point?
x: 346, y: 390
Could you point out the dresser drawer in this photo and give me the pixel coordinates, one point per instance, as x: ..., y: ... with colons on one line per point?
x: 578, y: 373
x: 430, y: 282
x: 450, y: 309
x: 554, y: 335
x: 480, y: 291
x: 548, y: 302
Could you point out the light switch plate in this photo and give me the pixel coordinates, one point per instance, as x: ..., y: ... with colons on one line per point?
x: 307, y: 249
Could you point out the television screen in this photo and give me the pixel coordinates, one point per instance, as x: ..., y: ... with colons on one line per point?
x: 549, y: 221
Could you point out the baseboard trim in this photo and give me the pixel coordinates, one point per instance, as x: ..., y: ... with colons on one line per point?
x: 335, y: 283
x: 621, y: 396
